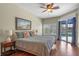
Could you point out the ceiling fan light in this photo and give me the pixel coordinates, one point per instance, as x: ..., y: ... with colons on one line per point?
x: 49, y: 10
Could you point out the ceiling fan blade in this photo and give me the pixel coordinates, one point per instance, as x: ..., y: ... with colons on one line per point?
x: 52, y: 4
x: 44, y: 11
x: 57, y: 7
x: 43, y: 7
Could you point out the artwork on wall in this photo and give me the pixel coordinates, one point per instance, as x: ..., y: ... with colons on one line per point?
x: 22, y: 24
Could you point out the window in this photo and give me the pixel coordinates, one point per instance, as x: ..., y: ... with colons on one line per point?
x: 50, y: 29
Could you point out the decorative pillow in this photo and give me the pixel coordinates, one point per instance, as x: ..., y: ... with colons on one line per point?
x: 20, y: 34
x: 26, y: 34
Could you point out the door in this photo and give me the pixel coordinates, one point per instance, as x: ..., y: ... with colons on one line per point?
x: 63, y: 30
x: 68, y: 30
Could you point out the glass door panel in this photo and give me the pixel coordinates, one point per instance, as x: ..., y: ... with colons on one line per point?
x: 63, y: 30
x: 69, y: 32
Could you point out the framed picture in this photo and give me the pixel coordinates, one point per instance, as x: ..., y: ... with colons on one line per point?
x: 22, y: 24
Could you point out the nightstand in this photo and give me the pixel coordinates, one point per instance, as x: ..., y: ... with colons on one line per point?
x: 7, y: 45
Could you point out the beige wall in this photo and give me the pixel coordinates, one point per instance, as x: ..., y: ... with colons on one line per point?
x: 50, y: 20
x: 78, y: 28
x: 68, y: 15
x: 8, y: 12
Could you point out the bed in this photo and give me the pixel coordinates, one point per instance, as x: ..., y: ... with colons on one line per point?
x: 37, y: 45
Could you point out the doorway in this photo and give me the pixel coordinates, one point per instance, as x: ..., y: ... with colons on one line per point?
x: 67, y: 30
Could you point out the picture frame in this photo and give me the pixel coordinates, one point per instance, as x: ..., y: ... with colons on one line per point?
x: 22, y: 24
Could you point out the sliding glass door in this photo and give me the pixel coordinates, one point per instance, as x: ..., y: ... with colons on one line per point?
x: 68, y: 30
x: 63, y: 30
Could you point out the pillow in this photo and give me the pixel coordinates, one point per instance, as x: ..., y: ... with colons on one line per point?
x: 26, y: 34
x: 20, y: 34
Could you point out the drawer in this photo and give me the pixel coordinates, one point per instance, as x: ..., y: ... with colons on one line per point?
x: 8, y: 45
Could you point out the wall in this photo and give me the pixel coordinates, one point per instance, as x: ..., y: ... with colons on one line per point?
x: 68, y: 15
x: 50, y: 20
x: 78, y: 27
x: 8, y: 12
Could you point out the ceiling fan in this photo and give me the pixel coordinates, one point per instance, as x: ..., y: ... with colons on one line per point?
x: 49, y: 7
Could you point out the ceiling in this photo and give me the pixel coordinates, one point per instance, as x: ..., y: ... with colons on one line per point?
x: 35, y: 9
